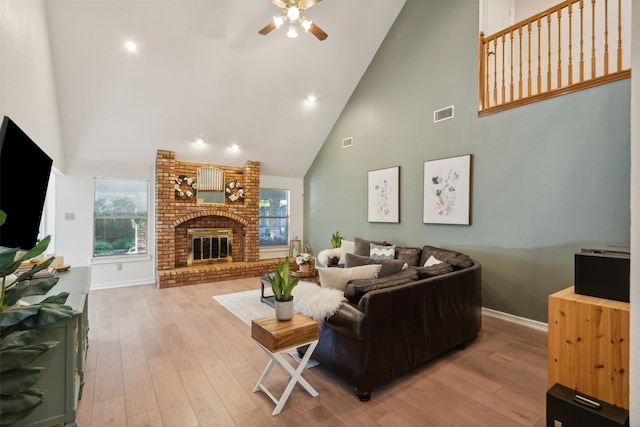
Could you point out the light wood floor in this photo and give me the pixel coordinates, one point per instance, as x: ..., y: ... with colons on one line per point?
x: 175, y: 357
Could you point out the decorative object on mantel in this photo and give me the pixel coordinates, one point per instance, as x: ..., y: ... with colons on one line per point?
x: 282, y: 284
x: 189, y: 194
x: 234, y: 190
x: 304, y: 261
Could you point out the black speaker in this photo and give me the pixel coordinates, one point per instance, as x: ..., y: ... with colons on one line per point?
x: 566, y: 408
x: 602, y: 274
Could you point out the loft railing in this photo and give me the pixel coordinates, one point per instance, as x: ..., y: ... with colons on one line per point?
x: 563, y: 49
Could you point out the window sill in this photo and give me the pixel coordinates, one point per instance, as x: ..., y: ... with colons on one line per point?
x: 110, y: 259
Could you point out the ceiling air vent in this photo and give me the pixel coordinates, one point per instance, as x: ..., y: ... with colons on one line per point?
x: 347, y: 142
x: 443, y: 114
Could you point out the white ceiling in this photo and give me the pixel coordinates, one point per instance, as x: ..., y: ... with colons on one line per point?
x: 203, y: 71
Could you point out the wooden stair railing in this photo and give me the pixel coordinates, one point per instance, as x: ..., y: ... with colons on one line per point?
x: 534, y: 59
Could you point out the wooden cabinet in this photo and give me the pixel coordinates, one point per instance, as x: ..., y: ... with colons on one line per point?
x: 589, y: 346
x: 63, y: 376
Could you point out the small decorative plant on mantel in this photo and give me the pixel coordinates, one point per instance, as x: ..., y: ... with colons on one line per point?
x: 304, y: 261
x: 19, y: 329
x: 282, y: 284
x: 336, y: 240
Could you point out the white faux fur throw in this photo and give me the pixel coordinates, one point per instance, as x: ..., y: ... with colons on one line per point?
x: 315, y: 301
x: 322, y: 260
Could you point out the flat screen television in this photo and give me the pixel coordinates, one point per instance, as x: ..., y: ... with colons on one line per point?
x: 24, y: 177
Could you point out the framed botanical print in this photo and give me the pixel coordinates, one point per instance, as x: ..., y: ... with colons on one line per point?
x: 384, y: 195
x: 447, y: 191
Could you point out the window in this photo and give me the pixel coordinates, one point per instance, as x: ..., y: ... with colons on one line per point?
x: 274, y: 217
x: 120, y: 217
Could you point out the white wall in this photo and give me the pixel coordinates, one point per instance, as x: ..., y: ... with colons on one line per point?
x: 27, y: 87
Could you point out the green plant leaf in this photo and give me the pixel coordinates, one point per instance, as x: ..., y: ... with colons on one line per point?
x: 18, y: 380
x: 16, y: 407
x: 21, y: 357
x: 48, y: 314
x: 7, y: 266
x: 19, y: 339
x: 28, y: 288
x: 14, y: 316
x: 38, y: 267
x: 61, y: 298
x: 3, y: 217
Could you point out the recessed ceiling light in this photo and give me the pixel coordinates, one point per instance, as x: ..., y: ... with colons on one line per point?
x: 311, y: 99
x: 235, y: 147
x: 199, y: 141
x: 131, y: 46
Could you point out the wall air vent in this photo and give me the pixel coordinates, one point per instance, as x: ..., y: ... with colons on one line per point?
x: 443, y: 114
x: 347, y: 142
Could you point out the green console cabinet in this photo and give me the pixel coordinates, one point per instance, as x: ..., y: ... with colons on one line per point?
x: 63, y: 376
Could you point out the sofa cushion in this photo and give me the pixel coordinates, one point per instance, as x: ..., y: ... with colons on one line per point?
x: 346, y: 247
x: 434, y: 270
x: 440, y: 254
x: 337, y: 278
x: 357, y: 288
x: 389, y: 266
x: 460, y: 262
x: 362, y: 247
x: 382, y: 252
x: 409, y: 255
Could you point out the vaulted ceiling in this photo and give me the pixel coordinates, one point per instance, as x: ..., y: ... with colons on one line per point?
x: 201, y: 70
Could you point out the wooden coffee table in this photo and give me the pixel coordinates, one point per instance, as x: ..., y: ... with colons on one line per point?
x: 275, y: 337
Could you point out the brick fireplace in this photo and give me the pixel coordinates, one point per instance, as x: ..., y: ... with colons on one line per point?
x: 175, y: 216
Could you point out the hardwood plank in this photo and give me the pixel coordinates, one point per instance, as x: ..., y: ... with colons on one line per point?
x: 138, y: 386
x: 109, y: 383
x: 110, y: 413
x: 150, y: 418
x: 173, y: 402
x: 204, y: 399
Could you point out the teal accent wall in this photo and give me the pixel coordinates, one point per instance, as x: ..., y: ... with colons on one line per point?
x: 548, y: 178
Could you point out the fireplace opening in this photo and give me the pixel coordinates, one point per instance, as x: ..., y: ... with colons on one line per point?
x: 206, y: 245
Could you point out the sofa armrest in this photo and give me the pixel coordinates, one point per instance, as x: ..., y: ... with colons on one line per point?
x: 357, y: 288
x: 349, y: 321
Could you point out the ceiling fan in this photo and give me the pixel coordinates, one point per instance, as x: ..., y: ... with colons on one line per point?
x: 292, y: 11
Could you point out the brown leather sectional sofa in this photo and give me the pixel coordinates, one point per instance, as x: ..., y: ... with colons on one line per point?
x: 396, y: 323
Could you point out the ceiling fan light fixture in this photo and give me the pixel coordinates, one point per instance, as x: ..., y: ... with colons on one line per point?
x: 306, y: 23
x: 293, y: 13
x: 278, y: 20
x: 292, y: 33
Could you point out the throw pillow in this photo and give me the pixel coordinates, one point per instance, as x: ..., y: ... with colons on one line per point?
x: 461, y: 262
x: 409, y: 255
x: 381, y: 252
x: 337, y: 278
x: 389, y: 266
x: 432, y: 261
x: 346, y: 247
x: 362, y: 246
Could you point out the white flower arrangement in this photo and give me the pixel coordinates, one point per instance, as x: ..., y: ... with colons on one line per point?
x: 177, y: 186
x: 234, y: 190
x: 303, y: 258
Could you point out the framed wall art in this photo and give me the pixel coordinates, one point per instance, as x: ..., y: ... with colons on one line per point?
x: 384, y: 195
x: 447, y: 191
x: 295, y: 247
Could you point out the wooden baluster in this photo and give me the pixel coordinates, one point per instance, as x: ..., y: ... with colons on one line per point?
x: 481, y: 72
x: 559, y: 82
x: 606, y: 37
x: 581, y: 41
x: 619, y: 36
x: 487, y: 95
x: 520, y: 66
x: 548, y: 52
x: 503, y: 79
x: 593, y: 39
x: 539, y: 62
x: 570, y: 66
x: 495, y: 71
x: 511, y: 66
x: 529, y: 58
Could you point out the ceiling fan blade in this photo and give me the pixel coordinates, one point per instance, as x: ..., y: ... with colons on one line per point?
x: 317, y: 31
x: 306, y: 4
x: 268, y: 28
x: 279, y: 3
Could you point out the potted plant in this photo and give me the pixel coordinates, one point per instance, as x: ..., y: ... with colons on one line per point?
x: 304, y: 261
x: 19, y: 329
x: 336, y: 240
x: 282, y: 284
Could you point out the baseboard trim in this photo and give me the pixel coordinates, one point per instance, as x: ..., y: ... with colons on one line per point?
x: 523, y: 321
x: 95, y: 287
